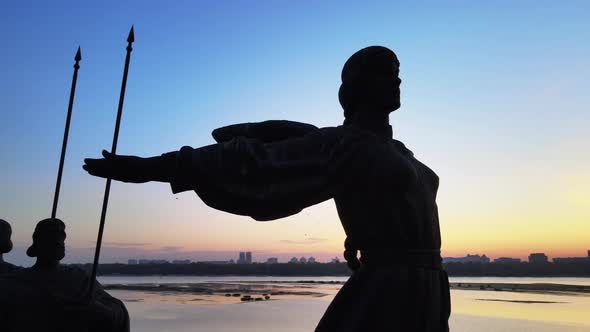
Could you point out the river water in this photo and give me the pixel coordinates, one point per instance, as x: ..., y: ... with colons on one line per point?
x: 472, y: 310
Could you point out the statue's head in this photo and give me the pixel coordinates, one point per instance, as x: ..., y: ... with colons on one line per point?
x: 5, y: 234
x: 370, y: 81
x: 48, y: 240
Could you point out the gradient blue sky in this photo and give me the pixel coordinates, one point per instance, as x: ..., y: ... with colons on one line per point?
x: 494, y: 98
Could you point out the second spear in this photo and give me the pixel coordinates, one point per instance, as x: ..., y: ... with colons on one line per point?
x: 105, y: 202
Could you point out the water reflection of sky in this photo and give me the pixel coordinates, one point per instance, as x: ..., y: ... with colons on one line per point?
x: 473, y: 310
x: 152, y: 312
x: 566, y: 309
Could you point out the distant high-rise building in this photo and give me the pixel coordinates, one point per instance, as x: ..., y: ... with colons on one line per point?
x: 538, y: 258
x: 132, y: 262
x: 245, y: 257
x: 272, y: 260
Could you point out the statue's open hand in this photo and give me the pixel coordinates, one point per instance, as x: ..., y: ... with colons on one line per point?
x: 120, y: 168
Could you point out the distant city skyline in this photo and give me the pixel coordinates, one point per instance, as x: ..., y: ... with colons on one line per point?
x: 113, y: 255
x: 243, y: 258
x: 469, y: 258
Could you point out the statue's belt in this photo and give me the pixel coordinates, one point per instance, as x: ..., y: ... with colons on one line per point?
x: 430, y: 259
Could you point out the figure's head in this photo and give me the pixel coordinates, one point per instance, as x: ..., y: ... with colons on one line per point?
x: 48, y: 240
x: 370, y: 82
x: 5, y: 234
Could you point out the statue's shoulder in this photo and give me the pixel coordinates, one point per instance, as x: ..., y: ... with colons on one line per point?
x: 18, y: 274
x: 6, y: 267
x: 266, y: 131
x: 73, y: 272
x: 279, y: 130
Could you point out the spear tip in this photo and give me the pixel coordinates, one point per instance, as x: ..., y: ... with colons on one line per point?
x: 78, y: 55
x: 131, y: 37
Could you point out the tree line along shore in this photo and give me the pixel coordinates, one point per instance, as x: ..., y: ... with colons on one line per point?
x: 578, y: 269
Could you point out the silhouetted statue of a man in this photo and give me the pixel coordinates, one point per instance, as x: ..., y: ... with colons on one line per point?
x: 384, y: 196
x: 52, y: 297
x: 5, y: 246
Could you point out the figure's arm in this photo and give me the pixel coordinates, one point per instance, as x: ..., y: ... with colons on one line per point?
x: 161, y: 168
x: 241, y: 176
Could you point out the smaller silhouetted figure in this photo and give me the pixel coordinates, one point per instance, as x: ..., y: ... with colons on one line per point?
x: 5, y: 246
x: 52, y: 297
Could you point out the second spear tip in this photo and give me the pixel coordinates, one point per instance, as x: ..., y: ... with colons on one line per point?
x: 131, y: 37
x: 78, y: 55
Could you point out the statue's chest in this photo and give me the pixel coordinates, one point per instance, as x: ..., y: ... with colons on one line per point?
x: 397, y: 168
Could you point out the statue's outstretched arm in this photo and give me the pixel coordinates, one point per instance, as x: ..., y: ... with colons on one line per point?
x: 246, y: 176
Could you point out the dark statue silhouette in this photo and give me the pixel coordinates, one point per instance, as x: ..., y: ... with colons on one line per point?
x: 52, y: 297
x: 384, y: 196
x: 5, y: 247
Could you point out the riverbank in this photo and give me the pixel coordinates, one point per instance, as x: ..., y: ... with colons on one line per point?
x: 316, y: 288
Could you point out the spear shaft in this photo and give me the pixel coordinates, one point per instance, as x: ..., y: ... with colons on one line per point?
x: 105, y: 202
x: 64, y: 144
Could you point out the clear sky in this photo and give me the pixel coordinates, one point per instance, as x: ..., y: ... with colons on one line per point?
x: 494, y: 99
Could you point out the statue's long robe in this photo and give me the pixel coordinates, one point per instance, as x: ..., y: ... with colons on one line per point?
x: 40, y: 300
x: 385, y: 199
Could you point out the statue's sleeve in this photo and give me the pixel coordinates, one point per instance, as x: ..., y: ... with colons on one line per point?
x: 265, y: 180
